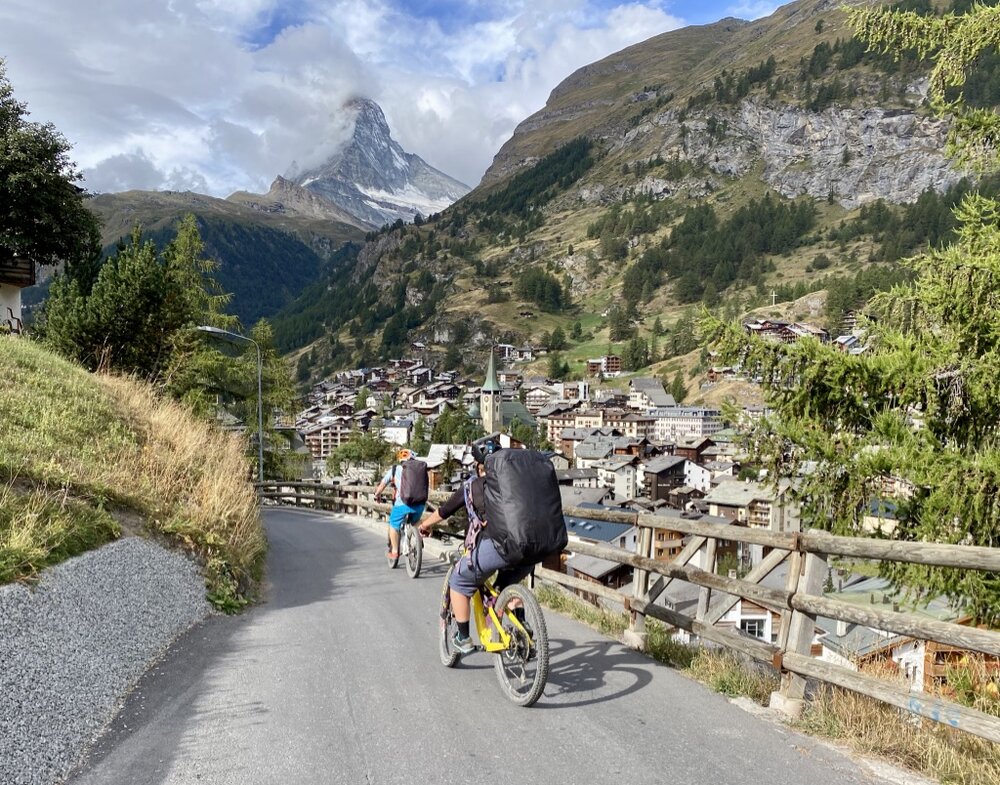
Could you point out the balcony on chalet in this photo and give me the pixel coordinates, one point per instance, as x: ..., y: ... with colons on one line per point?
x: 15, y: 274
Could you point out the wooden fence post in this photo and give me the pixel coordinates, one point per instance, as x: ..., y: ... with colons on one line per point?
x: 801, y: 628
x: 795, y: 559
x: 705, y: 595
x: 635, y: 636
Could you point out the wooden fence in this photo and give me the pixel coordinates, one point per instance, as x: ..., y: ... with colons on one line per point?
x: 799, y: 602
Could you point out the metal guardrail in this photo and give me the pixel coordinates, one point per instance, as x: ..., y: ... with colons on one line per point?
x: 799, y: 603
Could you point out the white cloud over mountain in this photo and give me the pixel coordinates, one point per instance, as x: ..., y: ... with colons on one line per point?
x: 220, y: 95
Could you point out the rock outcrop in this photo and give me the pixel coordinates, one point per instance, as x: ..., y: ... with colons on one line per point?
x: 855, y: 155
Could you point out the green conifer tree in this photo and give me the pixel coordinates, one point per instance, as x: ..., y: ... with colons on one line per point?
x: 921, y: 406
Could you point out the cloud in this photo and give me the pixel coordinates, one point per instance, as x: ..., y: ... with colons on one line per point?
x: 222, y: 95
x: 752, y: 9
x: 123, y: 172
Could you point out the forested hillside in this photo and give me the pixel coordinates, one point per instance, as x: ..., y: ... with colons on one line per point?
x: 265, y: 259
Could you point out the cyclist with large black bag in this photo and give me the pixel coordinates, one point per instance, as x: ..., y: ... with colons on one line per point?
x: 515, y: 521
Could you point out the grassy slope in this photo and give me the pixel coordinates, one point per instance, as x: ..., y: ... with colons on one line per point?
x: 78, y: 445
x: 600, y: 96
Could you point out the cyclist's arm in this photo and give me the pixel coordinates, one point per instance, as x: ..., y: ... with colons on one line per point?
x: 386, y: 480
x: 455, y: 502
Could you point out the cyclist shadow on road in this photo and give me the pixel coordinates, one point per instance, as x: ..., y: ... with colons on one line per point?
x: 594, y: 672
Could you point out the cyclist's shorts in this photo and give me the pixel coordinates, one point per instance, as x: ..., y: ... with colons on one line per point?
x: 400, y: 511
x: 474, y: 568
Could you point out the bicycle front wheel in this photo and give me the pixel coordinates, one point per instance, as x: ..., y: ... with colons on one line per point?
x: 448, y: 627
x: 523, y: 668
x: 414, y: 551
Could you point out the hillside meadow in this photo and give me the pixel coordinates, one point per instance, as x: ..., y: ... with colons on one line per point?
x: 88, y: 457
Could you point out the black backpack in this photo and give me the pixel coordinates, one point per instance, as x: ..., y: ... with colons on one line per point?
x: 414, y: 486
x: 524, y: 515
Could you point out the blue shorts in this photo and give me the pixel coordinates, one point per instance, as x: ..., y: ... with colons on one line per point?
x: 400, y: 511
x: 473, y: 570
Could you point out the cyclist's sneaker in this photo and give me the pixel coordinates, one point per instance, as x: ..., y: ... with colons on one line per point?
x: 463, y: 645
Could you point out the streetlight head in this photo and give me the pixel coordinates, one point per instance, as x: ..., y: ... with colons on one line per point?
x: 223, y: 335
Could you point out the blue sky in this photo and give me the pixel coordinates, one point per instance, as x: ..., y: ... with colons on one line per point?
x: 222, y: 95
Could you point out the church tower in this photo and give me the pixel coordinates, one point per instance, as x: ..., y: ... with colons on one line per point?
x: 490, y: 399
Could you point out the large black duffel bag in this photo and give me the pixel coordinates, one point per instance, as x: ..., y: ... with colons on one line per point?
x: 523, y: 506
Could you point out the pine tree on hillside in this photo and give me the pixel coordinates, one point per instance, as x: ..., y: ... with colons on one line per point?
x: 921, y: 407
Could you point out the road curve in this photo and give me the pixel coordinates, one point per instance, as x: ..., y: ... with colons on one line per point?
x: 335, y: 678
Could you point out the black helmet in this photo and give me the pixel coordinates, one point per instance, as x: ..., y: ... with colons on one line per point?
x: 484, y: 447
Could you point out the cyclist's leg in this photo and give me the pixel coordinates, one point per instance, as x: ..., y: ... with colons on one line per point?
x: 395, y: 521
x: 508, y: 575
x: 471, y: 573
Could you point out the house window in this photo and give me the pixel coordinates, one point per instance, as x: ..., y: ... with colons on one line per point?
x: 754, y: 627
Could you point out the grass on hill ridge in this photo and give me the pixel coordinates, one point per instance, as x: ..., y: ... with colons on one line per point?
x: 79, y: 446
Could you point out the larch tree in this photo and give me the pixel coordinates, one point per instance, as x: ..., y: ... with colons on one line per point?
x: 919, y: 410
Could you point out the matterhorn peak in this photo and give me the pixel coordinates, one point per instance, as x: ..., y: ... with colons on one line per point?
x: 373, y: 178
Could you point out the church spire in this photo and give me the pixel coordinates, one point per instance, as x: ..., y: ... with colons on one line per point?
x: 491, y: 399
x: 492, y: 384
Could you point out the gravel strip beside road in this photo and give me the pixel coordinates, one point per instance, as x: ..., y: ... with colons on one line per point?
x: 72, y: 647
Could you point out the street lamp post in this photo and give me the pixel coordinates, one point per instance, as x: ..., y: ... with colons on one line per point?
x: 231, y: 337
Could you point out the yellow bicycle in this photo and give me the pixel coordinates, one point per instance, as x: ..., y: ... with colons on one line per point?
x: 511, y: 626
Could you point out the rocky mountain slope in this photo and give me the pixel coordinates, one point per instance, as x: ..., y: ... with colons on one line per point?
x: 285, y: 198
x: 734, y: 96
x: 373, y: 179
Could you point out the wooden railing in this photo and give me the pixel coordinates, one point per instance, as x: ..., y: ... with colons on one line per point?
x: 799, y: 602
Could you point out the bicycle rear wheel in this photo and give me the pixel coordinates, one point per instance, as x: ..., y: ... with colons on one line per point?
x: 448, y: 627
x: 523, y: 668
x: 414, y: 550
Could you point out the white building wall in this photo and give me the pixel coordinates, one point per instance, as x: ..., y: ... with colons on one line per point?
x: 621, y: 482
x: 637, y: 400
x: 625, y: 483
x: 396, y: 434
x: 697, y: 476
x: 10, y: 297
x: 910, y: 658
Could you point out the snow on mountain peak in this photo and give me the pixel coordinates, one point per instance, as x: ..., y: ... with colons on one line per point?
x: 374, y: 178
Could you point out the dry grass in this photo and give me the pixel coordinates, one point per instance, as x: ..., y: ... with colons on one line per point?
x: 933, y: 749
x: 734, y: 676
x: 194, y: 481
x: 606, y: 622
x: 722, y: 671
x: 875, y: 728
x: 106, y: 441
x: 38, y: 528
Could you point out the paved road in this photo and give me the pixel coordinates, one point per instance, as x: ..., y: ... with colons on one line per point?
x: 336, y: 679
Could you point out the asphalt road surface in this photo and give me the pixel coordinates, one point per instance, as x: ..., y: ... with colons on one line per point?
x: 335, y: 678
